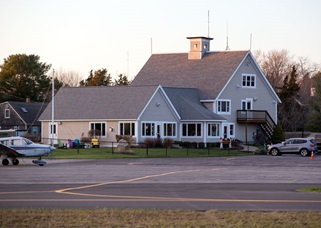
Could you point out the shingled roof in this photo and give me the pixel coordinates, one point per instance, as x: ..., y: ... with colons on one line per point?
x: 100, y: 102
x: 28, y: 111
x: 188, y: 106
x: 208, y: 74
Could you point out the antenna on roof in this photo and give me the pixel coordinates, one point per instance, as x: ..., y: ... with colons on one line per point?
x: 227, y: 47
x: 208, y: 23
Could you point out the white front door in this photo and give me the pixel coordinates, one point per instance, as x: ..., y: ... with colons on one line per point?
x: 228, y: 130
x: 53, y: 133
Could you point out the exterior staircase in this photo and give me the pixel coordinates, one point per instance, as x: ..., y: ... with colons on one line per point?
x: 261, y: 117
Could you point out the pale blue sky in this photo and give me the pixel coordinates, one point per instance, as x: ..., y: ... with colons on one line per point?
x: 81, y: 35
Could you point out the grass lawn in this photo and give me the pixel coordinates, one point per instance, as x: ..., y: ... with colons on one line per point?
x: 106, y: 152
x: 155, y: 218
x: 312, y: 189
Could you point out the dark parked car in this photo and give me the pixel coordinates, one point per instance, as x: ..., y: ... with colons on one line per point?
x: 303, y: 146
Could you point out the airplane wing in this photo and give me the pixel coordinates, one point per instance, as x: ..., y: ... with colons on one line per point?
x: 4, y: 150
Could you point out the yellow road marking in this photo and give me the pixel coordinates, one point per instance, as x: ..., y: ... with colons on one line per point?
x: 110, y: 198
x: 124, y: 181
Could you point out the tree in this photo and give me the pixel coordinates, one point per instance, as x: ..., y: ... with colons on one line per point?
x: 278, y: 67
x: 275, y: 65
x: 290, y: 86
x: 122, y: 81
x: 68, y: 78
x: 98, y: 78
x: 291, y: 109
x: 305, y: 70
x: 23, y: 76
x: 278, y: 134
x: 314, y: 120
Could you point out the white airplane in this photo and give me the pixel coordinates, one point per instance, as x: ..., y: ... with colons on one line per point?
x: 13, y: 147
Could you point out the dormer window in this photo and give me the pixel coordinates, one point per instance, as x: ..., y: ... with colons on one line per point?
x: 195, y: 46
x: 205, y: 46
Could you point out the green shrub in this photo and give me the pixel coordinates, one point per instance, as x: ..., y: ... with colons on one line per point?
x: 278, y: 134
x: 193, y: 145
x: 186, y: 144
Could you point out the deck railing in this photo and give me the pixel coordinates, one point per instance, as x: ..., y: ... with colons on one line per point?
x: 255, y: 116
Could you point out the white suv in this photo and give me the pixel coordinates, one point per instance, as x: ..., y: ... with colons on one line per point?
x: 304, y: 146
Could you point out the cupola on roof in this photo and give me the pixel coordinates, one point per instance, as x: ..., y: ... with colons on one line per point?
x: 199, y: 45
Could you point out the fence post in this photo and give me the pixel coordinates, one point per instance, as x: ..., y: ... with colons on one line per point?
x: 112, y: 147
x: 147, y: 150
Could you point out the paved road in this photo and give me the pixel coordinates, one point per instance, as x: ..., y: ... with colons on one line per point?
x: 232, y: 183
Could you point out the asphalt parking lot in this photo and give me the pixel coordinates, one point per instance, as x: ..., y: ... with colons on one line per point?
x: 228, y: 183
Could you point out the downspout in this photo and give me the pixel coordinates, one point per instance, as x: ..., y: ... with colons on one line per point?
x: 204, y: 132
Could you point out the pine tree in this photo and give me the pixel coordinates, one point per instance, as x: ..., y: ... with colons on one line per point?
x: 122, y: 80
x: 98, y: 78
x: 314, y: 121
x: 290, y: 108
x: 23, y: 76
x: 278, y: 134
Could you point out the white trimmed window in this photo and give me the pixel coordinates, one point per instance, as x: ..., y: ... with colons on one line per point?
x: 148, y: 129
x: 7, y: 113
x: 100, y: 127
x: 127, y: 128
x: 169, y: 129
x: 192, y: 129
x: 223, y: 107
x: 232, y: 130
x: 249, y: 80
x: 213, y: 130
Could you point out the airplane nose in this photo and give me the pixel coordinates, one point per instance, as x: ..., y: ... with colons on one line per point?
x: 52, y: 148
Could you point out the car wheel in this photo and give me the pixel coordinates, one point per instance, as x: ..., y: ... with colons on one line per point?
x: 274, y: 152
x: 304, y: 152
